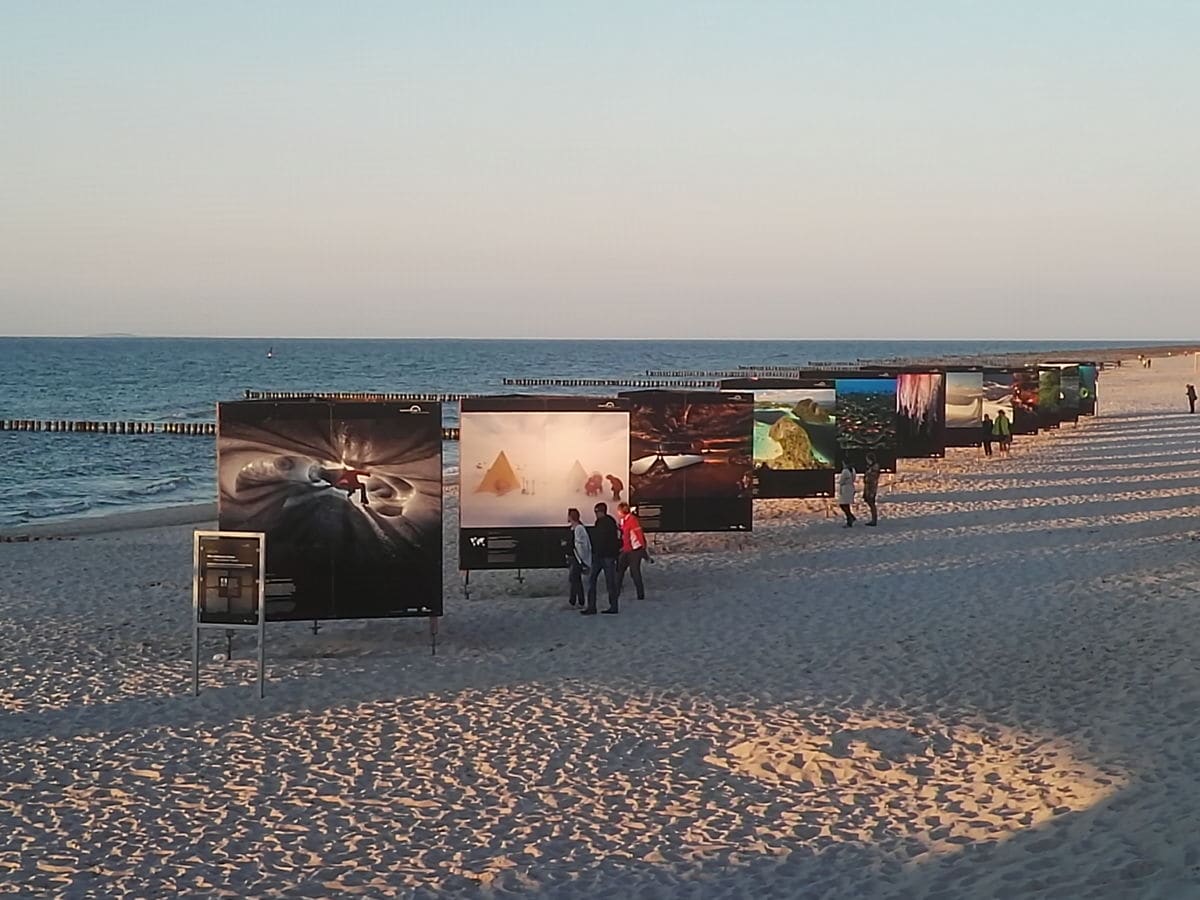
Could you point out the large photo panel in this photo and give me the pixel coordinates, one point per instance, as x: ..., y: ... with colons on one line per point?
x: 795, y: 436
x: 1049, y: 396
x: 1089, y: 374
x: 691, y: 460
x: 998, y: 394
x: 524, y: 461
x: 1025, y: 401
x: 964, y: 408
x: 866, y: 420
x: 1069, y: 393
x: 920, y: 415
x: 349, y: 496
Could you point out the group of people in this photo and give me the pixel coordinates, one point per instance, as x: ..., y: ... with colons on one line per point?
x: 845, y: 490
x: 613, y: 548
x: 996, y: 431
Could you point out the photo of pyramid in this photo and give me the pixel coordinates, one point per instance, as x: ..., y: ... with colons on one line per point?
x: 524, y: 469
x: 500, y: 478
x: 577, y: 478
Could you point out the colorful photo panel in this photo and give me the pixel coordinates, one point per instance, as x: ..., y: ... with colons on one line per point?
x: 1088, y: 375
x: 691, y: 460
x: 866, y: 420
x: 1049, y: 396
x: 920, y: 415
x: 964, y: 409
x: 1025, y: 401
x: 349, y: 496
x: 524, y: 461
x: 998, y: 388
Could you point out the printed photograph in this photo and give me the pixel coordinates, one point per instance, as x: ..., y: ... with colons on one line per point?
x: 349, y: 496
x: 1069, y: 391
x: 795, y: 429
x: 964, y: 400
x: 525, y: 469
x: 1049, y: 397
x: 691, y: 445
x: 1088, y: 374
x: 998, y: 394
x: 1025, y: 402
x: 920, y: 414
x: 866, y: 418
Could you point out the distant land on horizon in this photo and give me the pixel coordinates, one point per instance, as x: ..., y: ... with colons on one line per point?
x: 1080, y: 341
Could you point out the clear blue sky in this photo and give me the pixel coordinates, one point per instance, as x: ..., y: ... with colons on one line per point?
x: 693, y: 169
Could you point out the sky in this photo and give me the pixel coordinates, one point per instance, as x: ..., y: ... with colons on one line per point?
x: 641, y: 169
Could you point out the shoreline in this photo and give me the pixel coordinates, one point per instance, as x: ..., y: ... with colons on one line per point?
x: 127, y: 520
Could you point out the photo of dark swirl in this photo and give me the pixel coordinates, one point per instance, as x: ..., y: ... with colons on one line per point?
x: 349, y: 496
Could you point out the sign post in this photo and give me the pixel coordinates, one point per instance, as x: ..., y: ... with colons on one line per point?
x: 228, y: 588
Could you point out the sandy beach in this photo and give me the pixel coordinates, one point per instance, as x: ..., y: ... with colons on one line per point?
x: 994, y: 694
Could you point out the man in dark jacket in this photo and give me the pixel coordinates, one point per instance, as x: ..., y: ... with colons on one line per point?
x: 606, y: 548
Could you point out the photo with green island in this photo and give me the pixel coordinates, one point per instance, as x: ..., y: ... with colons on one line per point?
x: 795, y: 430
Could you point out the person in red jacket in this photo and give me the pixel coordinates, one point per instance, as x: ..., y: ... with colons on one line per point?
x: 633, y: 550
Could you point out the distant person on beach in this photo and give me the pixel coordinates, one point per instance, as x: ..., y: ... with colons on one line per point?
x: 1191, y: 395
x: 633, y: 550
x: 845, y: 493
x: 606, y: 549
x: 987, y: 435
x: 1002, y: 432
x: 579, y: 561
x: 871, y: 488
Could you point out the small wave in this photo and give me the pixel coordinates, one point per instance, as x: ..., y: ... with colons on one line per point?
x: 60, y: 508
x: 152, y: 488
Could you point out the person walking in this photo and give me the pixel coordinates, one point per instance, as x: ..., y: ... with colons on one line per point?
x: 606, y: 548
x: 845, y: 493
x: 1191, y: 395
x: 987, y: 435
x: 579, y: 561
x: 1002, y: 432
x: 871, y: 488
x: 633, y: 550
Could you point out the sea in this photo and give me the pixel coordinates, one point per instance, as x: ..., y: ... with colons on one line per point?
x: 46, y: 476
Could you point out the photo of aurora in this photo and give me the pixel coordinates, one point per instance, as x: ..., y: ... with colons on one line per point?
x: 920, y: 414
x: 1049, y: 387
x: 866, y: 420
x: 1025, y: 402
x: 690, y: 445
x: 349, y: 496
x: 964, y: 400
x: 795, y: 430
x: 998, y: 394
x: 1088, y: 374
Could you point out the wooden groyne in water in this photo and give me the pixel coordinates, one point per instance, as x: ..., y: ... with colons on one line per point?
x: 188, y: 429
x: 356, y: 396
x: 609, y: 383
x: 200, y: 429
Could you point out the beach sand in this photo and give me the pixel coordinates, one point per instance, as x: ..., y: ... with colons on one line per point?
x: 994, y: 694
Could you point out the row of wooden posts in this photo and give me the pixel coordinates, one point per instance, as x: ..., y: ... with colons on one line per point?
x: 355, y: 395
x: 607, y: 382
x: 189, y: 428
x: 201, y: 429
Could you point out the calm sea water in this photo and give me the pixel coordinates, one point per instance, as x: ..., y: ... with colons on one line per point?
x: 49, y: 475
